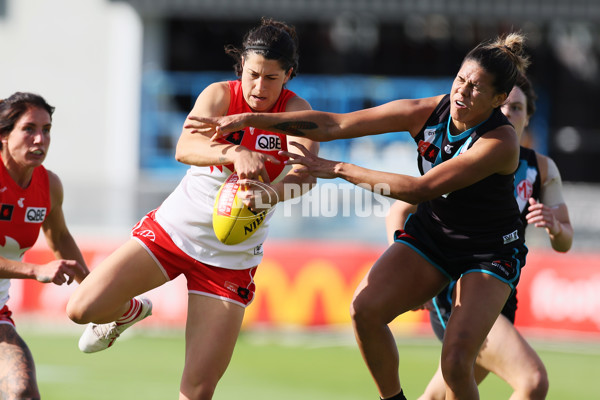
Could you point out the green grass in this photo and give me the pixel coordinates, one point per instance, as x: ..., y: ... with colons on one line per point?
x: 147, y: 365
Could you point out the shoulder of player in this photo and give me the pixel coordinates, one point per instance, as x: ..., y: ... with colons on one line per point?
x: 56, y: 188
x: 297, y: 103
x: 544, y: 165
x: 213, y: 100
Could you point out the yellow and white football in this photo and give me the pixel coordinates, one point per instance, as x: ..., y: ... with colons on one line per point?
x: 233, y: 221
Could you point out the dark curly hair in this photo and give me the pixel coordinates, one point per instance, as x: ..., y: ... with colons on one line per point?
x: 272, y: 39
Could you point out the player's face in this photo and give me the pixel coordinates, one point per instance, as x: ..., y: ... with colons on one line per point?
x: 26, y: 146
x: 473, y: 97
x: 515, y: 110
x: 262, y: 81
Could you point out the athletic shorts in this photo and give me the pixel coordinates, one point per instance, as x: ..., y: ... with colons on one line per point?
x: 5, y: 316
x: 236, y: 286
x: 502, y: 263
x: 442, y: 307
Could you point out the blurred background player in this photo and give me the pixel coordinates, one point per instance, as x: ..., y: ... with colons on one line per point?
x: 467, y: 226
x: 31, y: 199
x: 178, y: 237
x: 538, y: 191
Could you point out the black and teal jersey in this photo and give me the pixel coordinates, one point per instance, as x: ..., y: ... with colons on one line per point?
x: 527, y: 184
x: 482, y: 215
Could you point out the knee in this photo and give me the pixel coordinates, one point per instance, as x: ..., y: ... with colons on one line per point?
x: 457, y: 367
x: 536, y: 385
x: 362, y: 313
x: 77, y: 311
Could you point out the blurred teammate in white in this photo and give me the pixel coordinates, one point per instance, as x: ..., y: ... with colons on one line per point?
x: 178, y: 237
x: 538, y: 190
x: 30, y: 199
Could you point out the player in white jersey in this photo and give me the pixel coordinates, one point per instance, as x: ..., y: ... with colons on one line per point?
x: 178, y: 237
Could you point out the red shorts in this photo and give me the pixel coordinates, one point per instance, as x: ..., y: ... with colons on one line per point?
x: 232, y: 285
x: 5, y: 318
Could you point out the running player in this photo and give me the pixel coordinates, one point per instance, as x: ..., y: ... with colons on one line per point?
x: 178, y: 237
x: 538, y: 190
x: 30, y: 199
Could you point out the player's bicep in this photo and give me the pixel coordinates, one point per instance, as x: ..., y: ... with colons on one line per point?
x: 496, y: 154
x: 212, y: 102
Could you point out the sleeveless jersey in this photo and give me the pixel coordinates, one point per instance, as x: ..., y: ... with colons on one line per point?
x: 22, y: 212
x: 186, y: 214
x: 527, y: 184
x: 483, y: 215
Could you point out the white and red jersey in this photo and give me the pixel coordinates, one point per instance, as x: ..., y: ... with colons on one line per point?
x: 22, y: 212
x: 186, y: 215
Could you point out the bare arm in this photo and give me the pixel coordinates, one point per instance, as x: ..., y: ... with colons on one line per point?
x: 395, y: 116
x: 496, y: 152
x: 303, y: 180
x: 294, y: 183
x: 57, y: 234
x: 69, y: 265
x: 197, y: 149
x: 551, y: 212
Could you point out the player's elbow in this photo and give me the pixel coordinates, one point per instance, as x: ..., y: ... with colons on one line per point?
x: 180, y: 154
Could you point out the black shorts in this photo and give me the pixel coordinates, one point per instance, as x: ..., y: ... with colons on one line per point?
x: 453, y: 260
x: 442, y: 307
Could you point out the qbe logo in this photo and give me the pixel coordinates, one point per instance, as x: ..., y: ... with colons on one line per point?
x: 268, y: 142
x: 35, y: 214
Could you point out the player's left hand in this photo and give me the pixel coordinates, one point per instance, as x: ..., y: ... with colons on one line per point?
x: 542, y: 216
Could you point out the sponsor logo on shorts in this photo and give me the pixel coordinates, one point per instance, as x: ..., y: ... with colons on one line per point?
x: 504, y: 266
x: 268, y: 142
x: 243, y: 292
x: 35, y: 215
x: 258, y: 250
x: 6, y: 211
x: 147, y: 233
x: 511, y: 237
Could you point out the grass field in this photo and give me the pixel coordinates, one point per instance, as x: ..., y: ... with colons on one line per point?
x: 147, y: 365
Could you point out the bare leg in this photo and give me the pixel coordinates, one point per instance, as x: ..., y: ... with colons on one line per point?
x: 17, y: 370
x: 212, y: 330
x: 387, y: 291
x: 507, y: 354
x: 104, y: 294
x: 436, y: 388
x: 479, y: 298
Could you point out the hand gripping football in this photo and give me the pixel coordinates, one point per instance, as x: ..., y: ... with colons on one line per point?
x: 233, y: 221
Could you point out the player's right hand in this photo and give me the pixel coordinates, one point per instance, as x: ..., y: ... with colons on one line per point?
x: 58, y: 272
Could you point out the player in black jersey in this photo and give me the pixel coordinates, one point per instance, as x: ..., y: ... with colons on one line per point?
x: 467, y: 224
x: 538, y: 190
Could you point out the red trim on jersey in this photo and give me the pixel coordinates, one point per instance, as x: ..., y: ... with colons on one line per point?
x: 257, y: 139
